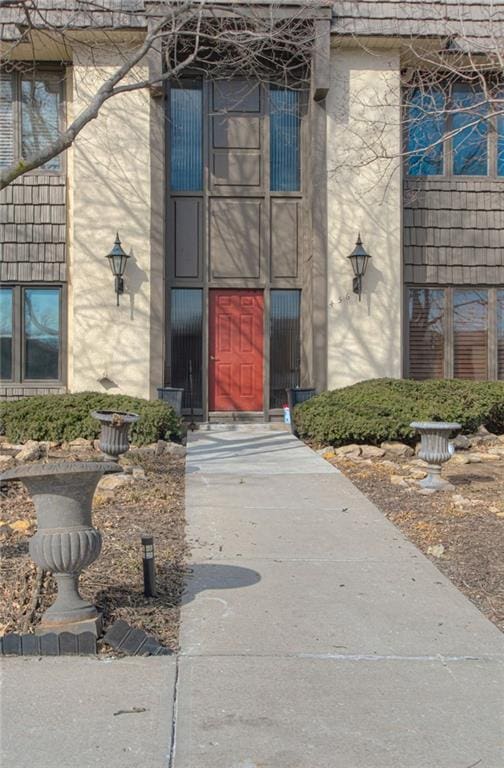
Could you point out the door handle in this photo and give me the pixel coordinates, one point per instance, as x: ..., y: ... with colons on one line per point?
x: 213, y: 358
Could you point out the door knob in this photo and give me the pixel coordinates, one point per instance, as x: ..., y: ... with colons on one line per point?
x: 212, y: 357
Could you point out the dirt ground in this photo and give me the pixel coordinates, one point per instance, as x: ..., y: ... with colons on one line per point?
x: 468, y: 522
x: 154, y: 505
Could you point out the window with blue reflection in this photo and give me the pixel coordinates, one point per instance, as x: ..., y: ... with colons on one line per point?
x: 285, y: 140
x: 426, y: 128
x: 40, y: 115
x: 186, y: 136
x: 42, y: 333
x: 6, y: 333
x: 470, y: 132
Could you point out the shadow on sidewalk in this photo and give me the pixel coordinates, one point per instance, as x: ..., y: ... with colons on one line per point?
x: 209, y: 576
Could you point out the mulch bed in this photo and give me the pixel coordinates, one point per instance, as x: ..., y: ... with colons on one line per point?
x: 472, y: 532
x: 114, y: 582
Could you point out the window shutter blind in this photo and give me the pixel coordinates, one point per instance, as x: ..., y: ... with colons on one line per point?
x: 470, y: 334
x: 6, y: 120
x: 500, y: 334
x: 426, y: 333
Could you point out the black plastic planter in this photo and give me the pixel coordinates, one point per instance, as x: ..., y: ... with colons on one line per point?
x: 296, y: 395
x: 171, y: 396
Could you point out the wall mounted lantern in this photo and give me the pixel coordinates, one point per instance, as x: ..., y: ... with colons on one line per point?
x: 117, y: 260
x: 359, y: 259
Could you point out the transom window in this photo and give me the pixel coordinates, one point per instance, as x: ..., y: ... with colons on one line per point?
x: 30, y: 115
x: 455, y: 131
x: 30, y: 333
x: 456, y: 332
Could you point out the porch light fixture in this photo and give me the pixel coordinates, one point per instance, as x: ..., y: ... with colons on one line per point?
x: 359, y: 259
x: 117, y: 260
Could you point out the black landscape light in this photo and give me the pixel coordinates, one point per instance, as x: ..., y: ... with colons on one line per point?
x: 148, y: 566
x: 359, y: 259
x: 117, y: 260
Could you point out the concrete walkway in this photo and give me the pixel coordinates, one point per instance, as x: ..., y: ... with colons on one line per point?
x: 313, y: 636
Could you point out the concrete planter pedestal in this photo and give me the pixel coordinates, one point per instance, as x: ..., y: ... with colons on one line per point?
x: 66, y: 541
x: 434, y: 450
x: 114, y: 432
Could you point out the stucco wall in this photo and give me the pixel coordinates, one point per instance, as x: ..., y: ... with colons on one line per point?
x: 364, y: 195
x: 109, y: 177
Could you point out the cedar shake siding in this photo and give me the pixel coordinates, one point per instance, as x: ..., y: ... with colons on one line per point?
x: 33, y: 229
x: 454, y: 231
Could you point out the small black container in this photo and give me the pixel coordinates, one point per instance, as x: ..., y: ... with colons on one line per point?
x: 171, y: 396
x: 296, y: 395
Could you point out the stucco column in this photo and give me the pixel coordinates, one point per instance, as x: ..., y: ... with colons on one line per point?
x: 364, y: 195
x: 110, y: 190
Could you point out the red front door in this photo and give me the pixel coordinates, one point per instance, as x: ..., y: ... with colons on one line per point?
x: 236, y: 350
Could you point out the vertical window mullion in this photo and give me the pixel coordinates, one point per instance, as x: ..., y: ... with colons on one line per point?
x: 492, y: 334
x: 449, y: 365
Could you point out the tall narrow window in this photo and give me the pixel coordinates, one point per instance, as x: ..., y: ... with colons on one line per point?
x: 186, y: 132
x: 470, y: 127
x: 6, y: 120
x: 500, y: 334
x: 6, y: 296
x: 285, y: 140
x: 40, y: 115
x: 425, y: 131
x: 187, y: 343
x: 426, y: 312
x: 470, y: 334
x: 500, y: 138
x: 42, y: 333
x: 284, y: 344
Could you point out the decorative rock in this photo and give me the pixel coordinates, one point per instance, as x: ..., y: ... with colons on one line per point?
x: 111, y: 482
x: 372, y: 452
x: 328, y: 453
x: 175, y: 449
x: 21, y: 526
x: 80, y: 442
x: 397, y: 449
x: 459, y: 459
x: 398, y: 480
x: 30, y: 451
x: 426, y: 491
x: 138, y: 473
x: 6, y: 462
x: 477, y: 458
x: 497, y: 450
x: 461, y: 443
x: 436, y: 550
x: 345, y: 450
x: 160, y: 448
x: 96, y: 445
x: 418, y: 474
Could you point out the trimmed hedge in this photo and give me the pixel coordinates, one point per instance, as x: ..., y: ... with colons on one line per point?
x: 66, y: 417
x: 382, y: 409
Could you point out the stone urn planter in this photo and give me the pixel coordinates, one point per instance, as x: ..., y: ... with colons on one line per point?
x: 66, y: 541
x: 434, y: 450
x: 114, y: 432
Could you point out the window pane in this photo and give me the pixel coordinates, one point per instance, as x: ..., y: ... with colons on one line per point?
x: 470, y: 334
x: 425, y: 128
x: 187, y: 343
x: 284, y: 344
x: 186, y: 131
x: 285, y: 125
x: 500, y: 334
x: 41, y: 333
x: 6, y: 120
x: 6, y: 333
x: 40, y: 121
x: 426, y: 333
x: 470, y: 152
